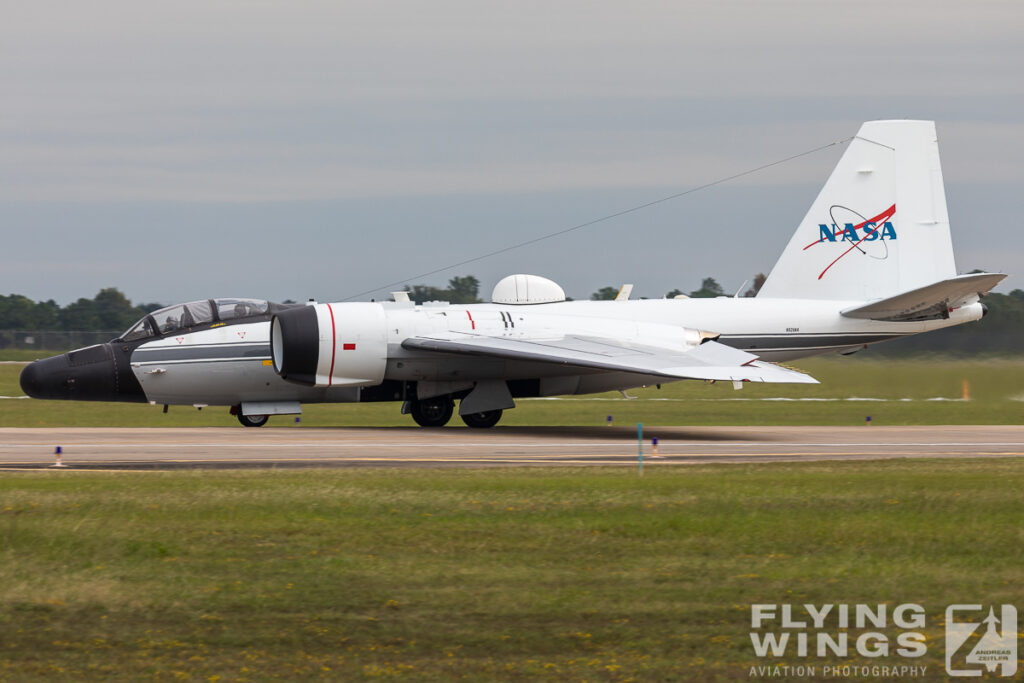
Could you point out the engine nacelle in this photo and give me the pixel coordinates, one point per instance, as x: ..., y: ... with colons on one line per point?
x: 330, y: 345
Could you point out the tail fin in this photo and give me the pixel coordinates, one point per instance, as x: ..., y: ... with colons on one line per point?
x: 879, y: 226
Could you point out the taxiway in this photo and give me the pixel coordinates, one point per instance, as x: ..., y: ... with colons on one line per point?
x: 125, y: 448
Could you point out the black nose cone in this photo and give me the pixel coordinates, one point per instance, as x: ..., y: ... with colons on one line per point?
x: 32, y: 379
x: 89, y: 374
x: 49, y: 378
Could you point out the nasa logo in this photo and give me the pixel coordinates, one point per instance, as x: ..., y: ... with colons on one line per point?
x: 878, y: 229
x: 849, y: 232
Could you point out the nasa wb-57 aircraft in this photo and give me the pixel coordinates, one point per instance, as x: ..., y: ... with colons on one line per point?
x: 871, y: 261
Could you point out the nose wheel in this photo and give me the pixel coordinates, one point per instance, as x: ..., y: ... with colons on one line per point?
x: 432, y: 412
x: 483, y: 420
x: 252, y: 420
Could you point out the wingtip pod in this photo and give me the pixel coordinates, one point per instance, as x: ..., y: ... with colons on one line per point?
x: 878, y: 227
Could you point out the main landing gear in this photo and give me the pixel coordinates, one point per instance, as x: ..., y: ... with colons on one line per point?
x: 436, y: 412
x: 483, y: 420
x: 432, y: 412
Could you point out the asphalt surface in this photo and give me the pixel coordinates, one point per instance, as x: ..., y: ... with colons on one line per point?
x: 102, y: 448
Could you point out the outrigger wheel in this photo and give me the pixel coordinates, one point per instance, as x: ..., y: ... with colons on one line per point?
x: 432, y: 412
x: 487, y: 418
x: 252, y: 420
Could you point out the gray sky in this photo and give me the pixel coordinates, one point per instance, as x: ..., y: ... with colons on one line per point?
x: 294, y: 149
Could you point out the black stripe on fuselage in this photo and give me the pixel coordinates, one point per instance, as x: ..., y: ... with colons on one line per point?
x: 170, y: 354
x: 799, y: 341
x: 196, y: 361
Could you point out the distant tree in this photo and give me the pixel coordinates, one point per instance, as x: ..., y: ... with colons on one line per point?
x: 461, y: 290
x: 758, y: 283
x: 149, y: 308
x: 47, y: 315
x: 672, y: 294
x: 114, y: 310
x: 709, y: 288
x: 464, y: 290
x: 17, y: 312
x: 422, y: 293
x: 80, y: 315
x: 605, y: 294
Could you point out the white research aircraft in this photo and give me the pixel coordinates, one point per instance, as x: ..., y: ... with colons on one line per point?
x: 872, y: 260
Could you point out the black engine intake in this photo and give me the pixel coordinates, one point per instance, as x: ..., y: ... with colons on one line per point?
x: 295, y: 344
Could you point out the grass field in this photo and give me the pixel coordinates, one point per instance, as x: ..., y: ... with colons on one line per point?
x: 893, y: 392
x: 554, y: 574
x: 26, y: 354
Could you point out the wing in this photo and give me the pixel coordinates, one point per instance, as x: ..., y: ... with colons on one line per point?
x: 710, y: 360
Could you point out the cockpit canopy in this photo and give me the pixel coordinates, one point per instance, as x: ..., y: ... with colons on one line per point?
x: 202, y: 312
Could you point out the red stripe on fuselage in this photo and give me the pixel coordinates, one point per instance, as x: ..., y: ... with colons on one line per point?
x: 470, y: 316
x: 334, y: 345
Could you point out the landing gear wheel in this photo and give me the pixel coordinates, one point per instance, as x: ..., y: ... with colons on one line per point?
x: 483, y: 420
x: 252, y: 420
x: 432, y: 412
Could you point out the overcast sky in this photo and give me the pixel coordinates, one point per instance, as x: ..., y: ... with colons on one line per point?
x: 195, y: 149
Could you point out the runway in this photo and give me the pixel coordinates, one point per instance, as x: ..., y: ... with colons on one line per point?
x: 130, y: 449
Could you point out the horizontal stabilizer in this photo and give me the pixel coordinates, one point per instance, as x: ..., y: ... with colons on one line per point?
x: 710, y: 360
x: 930, y: 302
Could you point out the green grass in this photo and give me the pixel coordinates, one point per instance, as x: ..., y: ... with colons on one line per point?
x: 996, y: 391
x: 27, y: 354
x: 554, y: 574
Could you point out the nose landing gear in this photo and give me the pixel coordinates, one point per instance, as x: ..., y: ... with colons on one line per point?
x: 253, y: 420
x: 247, y: 420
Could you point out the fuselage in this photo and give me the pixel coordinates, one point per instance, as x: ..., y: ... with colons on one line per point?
x: 228, y: 361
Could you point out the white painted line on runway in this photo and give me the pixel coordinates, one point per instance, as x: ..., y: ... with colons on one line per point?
x: 575, y: 459
x: 511, y: 444
x: 781, y: 399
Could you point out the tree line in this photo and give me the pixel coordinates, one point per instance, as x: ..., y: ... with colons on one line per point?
x: 107, y: 311
x: 466, y: 290
x: 709, y: 289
